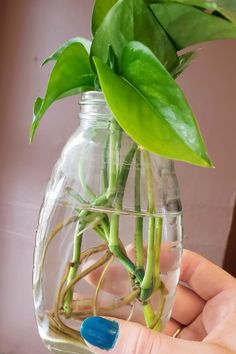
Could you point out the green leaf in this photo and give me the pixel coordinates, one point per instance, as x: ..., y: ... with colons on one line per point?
x: 86, y: 43
x: 112, y: 61
x: 71, y: 74
x: 184, y: 61
x: 150, y: 106
x: 101, y: 8
x: 225, y: 7
x: 187, y: 25
x: 130, y: 20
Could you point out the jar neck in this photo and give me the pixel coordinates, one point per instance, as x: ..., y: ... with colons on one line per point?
x: 94, y: 110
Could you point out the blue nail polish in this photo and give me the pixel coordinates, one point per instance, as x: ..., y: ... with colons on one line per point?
x: 100, y: 332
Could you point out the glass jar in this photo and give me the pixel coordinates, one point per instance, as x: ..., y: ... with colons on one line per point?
x: 109, y: 240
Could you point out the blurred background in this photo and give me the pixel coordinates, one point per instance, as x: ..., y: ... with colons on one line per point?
x: 30, y: 30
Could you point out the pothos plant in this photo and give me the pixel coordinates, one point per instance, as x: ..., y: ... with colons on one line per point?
x: 134, y: 58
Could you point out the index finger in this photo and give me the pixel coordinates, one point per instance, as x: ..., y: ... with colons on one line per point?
x: 204, y: 277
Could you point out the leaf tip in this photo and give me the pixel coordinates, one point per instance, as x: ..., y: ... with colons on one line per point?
x: 207, y: 163
x: 45, y: 62
x: 31, y: 134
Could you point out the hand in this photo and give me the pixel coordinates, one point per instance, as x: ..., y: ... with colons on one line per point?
x: 204, y: 311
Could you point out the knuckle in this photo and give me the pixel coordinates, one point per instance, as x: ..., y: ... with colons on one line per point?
x: 147, y: 342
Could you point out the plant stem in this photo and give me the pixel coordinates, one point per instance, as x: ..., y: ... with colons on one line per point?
x: 86, y: 220
x: 157, y: 279
x: 149, y: 314
x: 147, y: 283
x: 104, y: 173
x: 75, y: 264
x: 123, y: 175
x: 81, y: 226
x: 157, y: 323
x: 115, y: 248
x: 114, y: 242
x: 113, y: 158
x: 139, y: 253
x: 75, y: 195
x: 152, y: 280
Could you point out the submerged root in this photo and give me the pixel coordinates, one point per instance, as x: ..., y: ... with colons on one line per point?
x: 84, y: 273
x: 93, y: 250
x: 54, y: 233
x: 127, y: 300
x: 156, y: 323
x: 60, y: 329
x: 82, y: 308
x: 99, y: 285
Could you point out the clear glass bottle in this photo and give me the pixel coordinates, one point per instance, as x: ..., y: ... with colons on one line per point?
x: 109, y: 240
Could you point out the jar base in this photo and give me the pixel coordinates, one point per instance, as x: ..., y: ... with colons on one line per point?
x: 64, y: 347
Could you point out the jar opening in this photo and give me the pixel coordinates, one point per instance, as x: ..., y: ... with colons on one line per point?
x: 94, y: 106
x: 92, y: 97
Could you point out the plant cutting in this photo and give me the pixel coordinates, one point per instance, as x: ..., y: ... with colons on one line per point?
x: 117, y: 169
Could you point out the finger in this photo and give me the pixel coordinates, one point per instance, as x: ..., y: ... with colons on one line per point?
x: 114, y: 271
x: 171, y: 327
x: 109, y: 282
x: 122, y: 337
x: 195, y: 331
x: 204, y: 277
x: 188, y: 305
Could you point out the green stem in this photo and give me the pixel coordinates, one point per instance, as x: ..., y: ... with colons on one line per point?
x: 73, y: 269
x: 86, y: 217
x: 110, y: 180
x: 157, y: 278
x: 149, y: 314
x: 113, y: 158
x: 157, y: 320
x: 114, y: 244
x: 123, y: 176
x: 152, y: 280
x: 150, y: 189
x: 153, y: 320
x: 117, y: 184
x: 76, y: 195
x: 147, y: 283
x: 139, y: 252
x: 115, y: 248
x: 104, y: 174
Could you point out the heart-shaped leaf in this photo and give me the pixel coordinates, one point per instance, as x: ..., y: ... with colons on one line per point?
x: 71, y: 74
x: 150, y: 106
x: 225, y: 7
x: 187, y: 25
x: 86, y: 43
x: 130, y: 20
x: 101, y: 8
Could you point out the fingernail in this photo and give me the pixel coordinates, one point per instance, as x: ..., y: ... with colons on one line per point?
x: 100, y: 332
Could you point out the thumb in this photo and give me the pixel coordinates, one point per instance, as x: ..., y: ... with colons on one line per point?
x: 123, y: 337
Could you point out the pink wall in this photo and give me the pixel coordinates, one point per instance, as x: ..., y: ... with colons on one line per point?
x: 30, y: 30
x: 209, y: 195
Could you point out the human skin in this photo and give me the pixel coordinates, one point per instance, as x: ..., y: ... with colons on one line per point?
x: 205, y: 310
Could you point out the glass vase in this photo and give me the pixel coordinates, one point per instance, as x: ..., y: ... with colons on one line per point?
x: 109, y: 239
